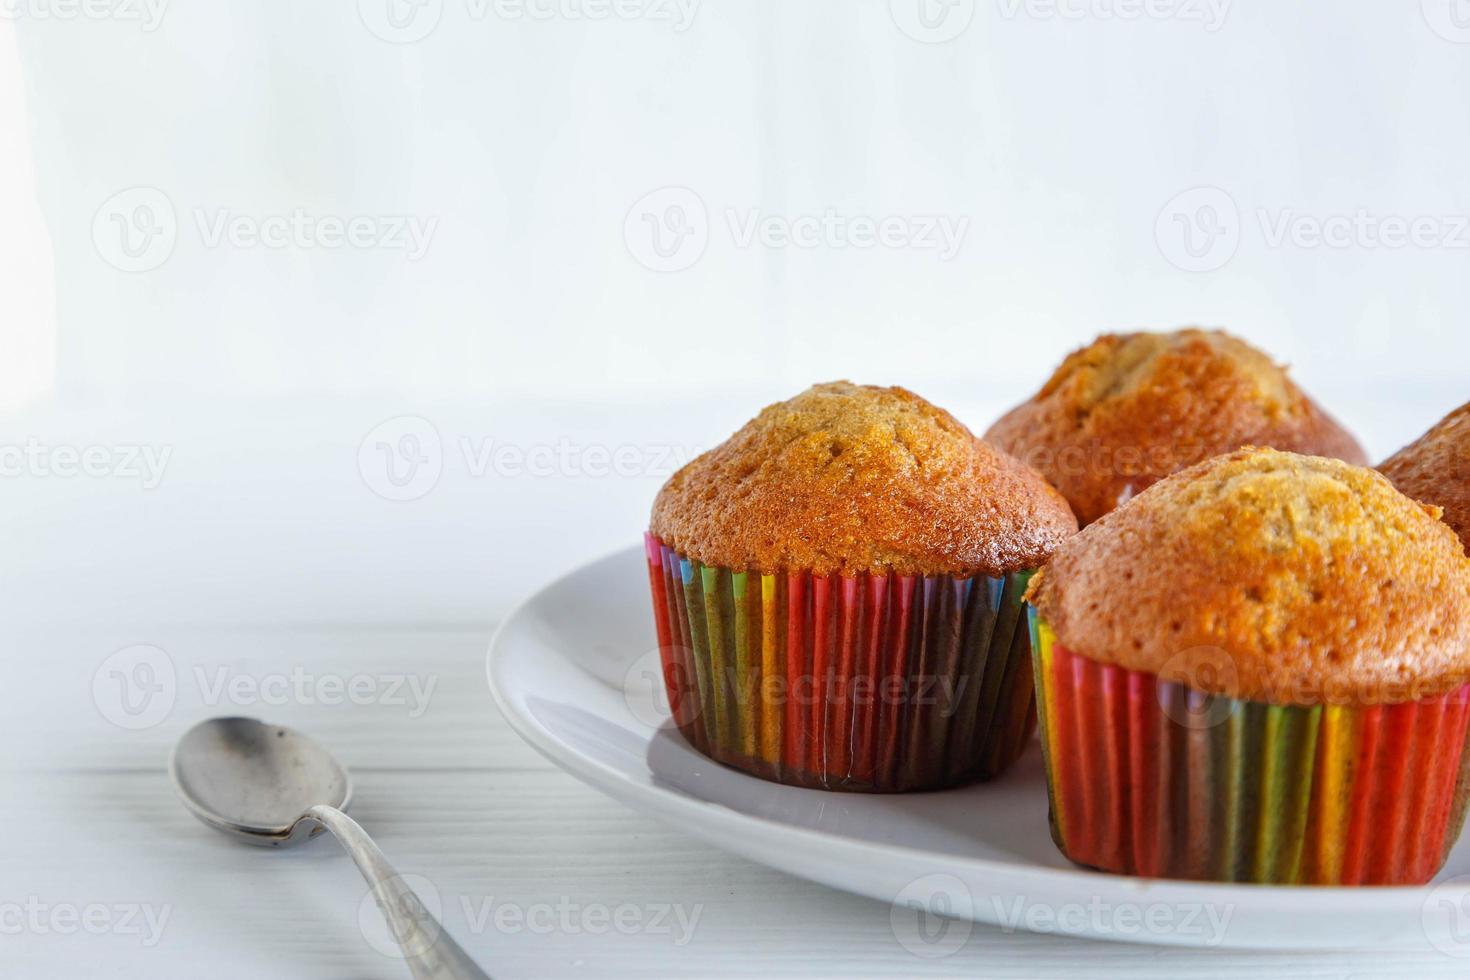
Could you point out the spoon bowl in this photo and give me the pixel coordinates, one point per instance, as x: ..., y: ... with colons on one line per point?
x: 255, y: 781
x: 269, y: 785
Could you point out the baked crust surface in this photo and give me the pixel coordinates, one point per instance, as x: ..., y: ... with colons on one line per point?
x: 1271, y: 577
x: 1129, y: 409
x: 852, y: 478
x: 1436, y: 469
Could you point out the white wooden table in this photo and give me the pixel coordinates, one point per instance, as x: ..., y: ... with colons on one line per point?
x: 273, y: 582
x: 452, y: 796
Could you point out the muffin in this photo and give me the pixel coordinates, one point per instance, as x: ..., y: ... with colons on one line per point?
x: 1256, y: 671
x: 1130, y: 409
x: 1436, y: 470
x: 837, y: 593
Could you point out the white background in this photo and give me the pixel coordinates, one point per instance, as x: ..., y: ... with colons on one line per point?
x: 547, y: 364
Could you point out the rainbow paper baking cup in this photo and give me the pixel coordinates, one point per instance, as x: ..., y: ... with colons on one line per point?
x: 1149, y: 777
x: 869, y: 683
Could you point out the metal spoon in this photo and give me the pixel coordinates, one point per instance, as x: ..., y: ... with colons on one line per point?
x: 269, y: 785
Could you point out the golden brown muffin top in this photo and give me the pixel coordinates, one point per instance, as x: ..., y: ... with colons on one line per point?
x: 1271, y: 577
x: 851, y: 478
x: 1129, y: 409
x: 1436, y: 470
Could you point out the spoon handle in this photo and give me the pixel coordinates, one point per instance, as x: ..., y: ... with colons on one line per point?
x: 431, y: 953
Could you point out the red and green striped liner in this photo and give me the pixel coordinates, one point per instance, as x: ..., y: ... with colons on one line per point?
x: 869, y: 683
x: 1322, y: 795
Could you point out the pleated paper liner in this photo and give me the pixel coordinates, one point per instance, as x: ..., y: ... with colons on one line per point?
x: 1149, y: 777
x: 870, y: 683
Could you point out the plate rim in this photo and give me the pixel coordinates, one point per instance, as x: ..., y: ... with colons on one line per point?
x: 658, y: 802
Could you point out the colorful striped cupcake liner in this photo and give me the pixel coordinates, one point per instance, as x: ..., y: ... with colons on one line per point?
x: 870, y: 683
x: 1149, y: 777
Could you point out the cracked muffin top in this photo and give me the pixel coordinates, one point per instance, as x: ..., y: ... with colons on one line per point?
x: 853, y: 478
x: 1436, y: 470
x: 1271, y: 577
x: 1130, y: 409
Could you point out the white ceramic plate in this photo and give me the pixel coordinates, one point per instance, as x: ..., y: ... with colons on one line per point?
x: 575, y: 671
